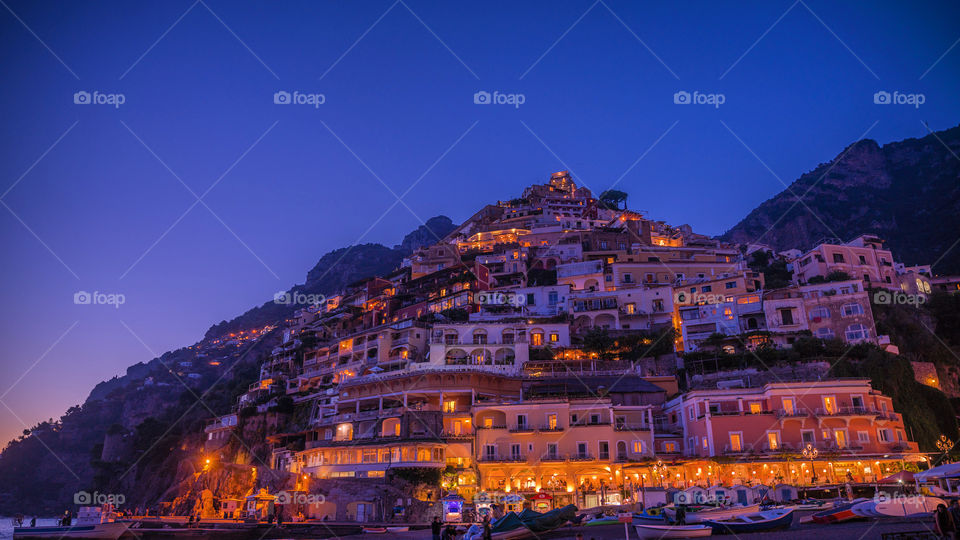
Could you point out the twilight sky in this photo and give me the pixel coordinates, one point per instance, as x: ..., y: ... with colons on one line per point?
x: 98, y: 197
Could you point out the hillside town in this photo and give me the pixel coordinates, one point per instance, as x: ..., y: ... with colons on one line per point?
x: 558, y: 349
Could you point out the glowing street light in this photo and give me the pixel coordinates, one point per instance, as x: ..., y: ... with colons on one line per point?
x: 811, y: 453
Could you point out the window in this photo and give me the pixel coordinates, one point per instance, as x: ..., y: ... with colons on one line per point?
x: 863, y: 260
x: 807, y: 436
x: 669, y: 446
x: 552, y: 451
x: 704, y: 443
x: 521, y: 421
x: 637, y: 447
x: 838, y: 258
x: 788, y: 406
x: 818, y: 313
x: 552, y: 298
x: 536, y: 339
x: 830, y: 404
x: 825, y: 434
x: 594, y: 418
x: 755, y: 408
x: 825, y: 333
x: 692, y: 413
x: 574, y: 418
x: 449, y: 406
x: 857, y: 402
x: 849, y: 310
x: 552, y: 421
x: 884, y: 435
x: 628, y: 278
x: 786, y: 316
x: 554, y: 337
x: 631, y: 308
x: 856, y: 332
x: 730, y: 285
x: 840, y: 436
x: 582, y: 449
x: 736, y: 442
x: 514, y: 451
x: 531, y: 300
x: 773, y: 440
x: 863, y: 436
x: 490, y: 451
x: 706, y: 288
x: 603, y: 448
x: 488, y: 422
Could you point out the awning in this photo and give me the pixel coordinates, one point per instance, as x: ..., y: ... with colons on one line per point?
x: 951, y: 470
x: 902, y: 476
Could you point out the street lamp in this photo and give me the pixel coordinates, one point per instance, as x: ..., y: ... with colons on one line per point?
x: 945, y: 444
x: 811, y: 453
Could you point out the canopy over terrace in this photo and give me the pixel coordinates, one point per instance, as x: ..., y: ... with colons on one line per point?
x: 950, y: 470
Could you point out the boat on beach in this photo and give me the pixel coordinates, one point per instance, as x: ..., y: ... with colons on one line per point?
x: 839, y: 513
x: 650, y: 531
x: 106, y: 531
x: 397, y: 529
x: 711, y: 513
x: 768, y: 520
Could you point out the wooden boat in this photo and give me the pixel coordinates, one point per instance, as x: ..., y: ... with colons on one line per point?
x: 375, y: 530
x: 651, y: 531
x: 108, y: 531
x: 712, y: 513
x: 908, y: 506
x: 839, y: 513
x: 769, y: 520
x: 397, y: 529
x: 866, y: 509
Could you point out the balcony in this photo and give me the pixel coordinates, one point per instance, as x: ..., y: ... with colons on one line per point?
x: 782, y: 413
x: 741, y: 449
x: 508, y: 458
x: 631, y: 427
x: 850, y: 411
x: 552, y: 457
x: 581, y: 456
x: 550, y: 429
x: 522, y: 428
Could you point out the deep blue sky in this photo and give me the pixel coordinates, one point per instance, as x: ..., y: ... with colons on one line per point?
x: 399, y: 99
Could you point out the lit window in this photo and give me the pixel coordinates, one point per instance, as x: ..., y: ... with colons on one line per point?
x: 754, y: 408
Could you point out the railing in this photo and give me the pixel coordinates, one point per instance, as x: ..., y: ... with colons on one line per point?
x: 741, y: 449
x: 581, y: 457
x: 495, y: 426
x: 552, y: 457
x: 522, y: 429
x: 548, y: 429
x: 783, y: 413
x: 631, y: 427
x: 849, y: 411
x: 507, y: 458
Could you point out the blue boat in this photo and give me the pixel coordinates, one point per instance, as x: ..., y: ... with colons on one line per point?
x: 767, y: 520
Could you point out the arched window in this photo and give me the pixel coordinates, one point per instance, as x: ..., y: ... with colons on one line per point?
x: 822, y: 312
x: 825, y: 333
x: 857, y: 332
x: 850, y: 310
x: 751, y: 324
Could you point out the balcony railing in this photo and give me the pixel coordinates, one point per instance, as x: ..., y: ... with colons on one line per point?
x: 505, y: 458
x: 521, y: 428
x: 740, y: 449
x: 631, y: 427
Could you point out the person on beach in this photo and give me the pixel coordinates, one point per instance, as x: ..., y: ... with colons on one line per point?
x: 487, y: 535
x: 955, y: 513
x: 33, y: 521
x: 944, y: 521
x: 435, y: 528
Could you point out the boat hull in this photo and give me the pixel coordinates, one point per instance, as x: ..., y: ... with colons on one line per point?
x: 672, y: 531
x: 839, y: 513
x: 782, y: 520
x: 714, y: 514
x: 908, y: 506
x: 105, y: 531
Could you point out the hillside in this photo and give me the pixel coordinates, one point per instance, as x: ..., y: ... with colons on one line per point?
x: 907, y: 192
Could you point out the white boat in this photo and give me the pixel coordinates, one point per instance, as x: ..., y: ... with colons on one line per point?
x: 645, y: 531
x: 397, y: 529
x: 712, y: 513
x: 914, y: 505
x: 866, y: 509
x: 107, y: 531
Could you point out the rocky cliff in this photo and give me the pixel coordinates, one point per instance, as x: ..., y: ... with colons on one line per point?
x: 907, y: 192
